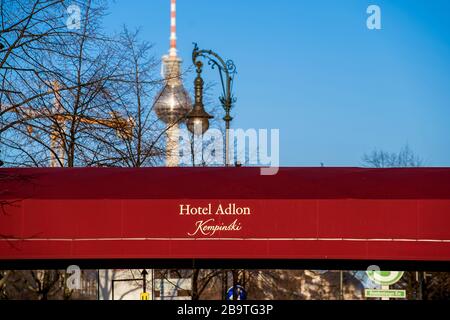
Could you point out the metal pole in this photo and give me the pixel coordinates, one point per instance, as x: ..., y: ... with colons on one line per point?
x: 98, y: 284
x: 112, y: 289
x: 227, y: 144
x: 385, y: 288
x: 144, y: 280
x: 153, y: 284
x: 419, y: 277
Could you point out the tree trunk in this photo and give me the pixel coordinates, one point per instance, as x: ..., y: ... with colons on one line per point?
x: 195, y: 293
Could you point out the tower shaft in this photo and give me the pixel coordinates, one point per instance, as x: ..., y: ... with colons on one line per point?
x: 173, y: 28
x: 172, y: 65
x: 172, y: 146
x: 173, y: 102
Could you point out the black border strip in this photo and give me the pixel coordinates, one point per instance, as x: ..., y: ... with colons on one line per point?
x: 225, y: 264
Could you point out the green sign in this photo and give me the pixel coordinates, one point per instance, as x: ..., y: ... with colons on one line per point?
x: 376, y: 293
x: 385, y: 278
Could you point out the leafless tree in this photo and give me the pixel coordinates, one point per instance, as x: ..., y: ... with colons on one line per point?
x: 383, y: 159
x: 31, y: 30
x: 133, y: 96
x: 76, y: 76
x: 57, y: 97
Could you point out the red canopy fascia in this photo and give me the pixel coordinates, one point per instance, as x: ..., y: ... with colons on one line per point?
x: 299, y: 213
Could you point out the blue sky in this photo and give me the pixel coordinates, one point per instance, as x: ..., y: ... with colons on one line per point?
x: 312, y: 69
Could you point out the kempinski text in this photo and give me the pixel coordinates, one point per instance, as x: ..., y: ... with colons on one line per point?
x: 231, y: 209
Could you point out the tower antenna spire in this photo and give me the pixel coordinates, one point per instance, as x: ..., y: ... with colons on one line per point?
x: 173, y: 28
x: 173, y: 102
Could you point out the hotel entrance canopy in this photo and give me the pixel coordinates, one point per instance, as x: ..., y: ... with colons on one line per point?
x: 225, y: 213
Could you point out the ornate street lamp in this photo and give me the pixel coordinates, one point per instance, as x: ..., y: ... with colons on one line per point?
x: 198, y: 118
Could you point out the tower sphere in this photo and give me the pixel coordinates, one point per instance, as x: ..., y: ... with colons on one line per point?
x: 172, y: 104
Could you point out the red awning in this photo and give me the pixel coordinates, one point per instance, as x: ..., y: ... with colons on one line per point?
x: 210, y: 213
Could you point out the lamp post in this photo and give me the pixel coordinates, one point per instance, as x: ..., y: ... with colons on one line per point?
x: 198, y: 117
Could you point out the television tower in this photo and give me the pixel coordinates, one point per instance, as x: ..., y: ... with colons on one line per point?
x: 173, y: 102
